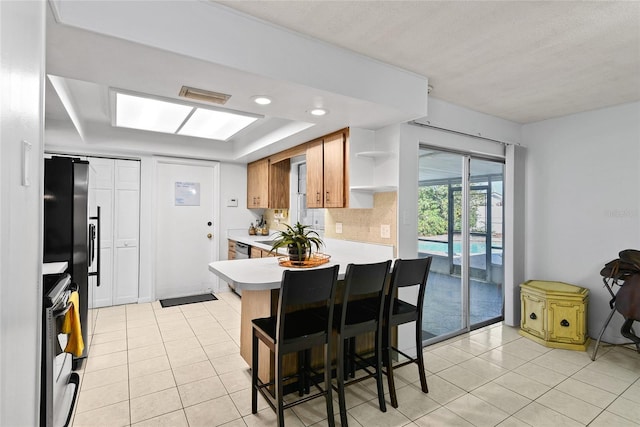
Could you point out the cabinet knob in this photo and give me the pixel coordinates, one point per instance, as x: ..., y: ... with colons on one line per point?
x: 564, y: 323
x: 209, y: 235
x: 533, y: 316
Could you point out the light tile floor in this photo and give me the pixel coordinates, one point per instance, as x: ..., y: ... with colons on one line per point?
x: 180, y: 366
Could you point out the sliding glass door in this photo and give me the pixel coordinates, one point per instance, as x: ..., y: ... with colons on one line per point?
x: 465, y: 284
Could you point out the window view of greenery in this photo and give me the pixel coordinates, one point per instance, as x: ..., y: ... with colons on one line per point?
x: 433, y: 210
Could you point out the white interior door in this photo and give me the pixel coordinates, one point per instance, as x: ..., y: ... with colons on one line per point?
x: 101, y: 173
x: 126, y: 231
x: 114, y: 186
x: 185, y: 244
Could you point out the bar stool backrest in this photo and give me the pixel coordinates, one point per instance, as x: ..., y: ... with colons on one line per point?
x: 367, y: 281
x: 408, y: 272
x: 304, y: 287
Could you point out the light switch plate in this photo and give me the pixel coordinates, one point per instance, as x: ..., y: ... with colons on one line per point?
x: 338, y: 228
x: 385, y: 231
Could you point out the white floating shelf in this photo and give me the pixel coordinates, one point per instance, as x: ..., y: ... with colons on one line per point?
x: 373, y: 188
x: 375, y: 154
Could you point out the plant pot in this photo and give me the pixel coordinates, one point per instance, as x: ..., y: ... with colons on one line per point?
x: 295, y: 255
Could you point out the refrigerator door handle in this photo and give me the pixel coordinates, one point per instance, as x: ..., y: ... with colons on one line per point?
x: 92, y: 244
x: 95, y: 245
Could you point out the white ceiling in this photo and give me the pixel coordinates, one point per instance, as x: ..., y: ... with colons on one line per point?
x: 521, y: 61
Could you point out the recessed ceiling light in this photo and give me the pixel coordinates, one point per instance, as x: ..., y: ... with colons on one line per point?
x: 262, y: 100
x: 318, y: 112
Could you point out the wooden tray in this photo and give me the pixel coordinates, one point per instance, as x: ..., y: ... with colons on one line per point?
x: 315, y: 260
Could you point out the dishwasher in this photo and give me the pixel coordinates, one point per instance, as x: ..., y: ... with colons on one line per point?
x: 242, y: 252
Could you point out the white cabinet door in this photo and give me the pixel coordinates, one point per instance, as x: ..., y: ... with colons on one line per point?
x: 126, y: 231
x: 101, y: 173
x: 114, y: 185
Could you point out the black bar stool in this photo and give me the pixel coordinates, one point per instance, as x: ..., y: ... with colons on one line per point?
x: 295, y: 330
x: 410, y: 272
x: 359, y: 313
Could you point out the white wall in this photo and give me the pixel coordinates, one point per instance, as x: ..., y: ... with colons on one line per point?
x: 233, y: 180
x: 21, y: 103
x: 583, y: 200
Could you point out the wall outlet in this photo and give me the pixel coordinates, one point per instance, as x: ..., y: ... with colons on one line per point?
x: 385, y: 231
x: 338, y: 228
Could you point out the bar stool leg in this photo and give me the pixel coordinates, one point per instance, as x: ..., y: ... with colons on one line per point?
x: 340, y: 379
x: 254, y: 374
x: 606, y: 323
x: 420, y: 357
x: 378, y: 351
x: 279, y: 389
x: 327, y: 385
x: 388, y: 350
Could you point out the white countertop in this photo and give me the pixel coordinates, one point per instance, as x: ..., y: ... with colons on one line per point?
x: 265, y: 273
x: 54, y: 267
x: 243, y: 236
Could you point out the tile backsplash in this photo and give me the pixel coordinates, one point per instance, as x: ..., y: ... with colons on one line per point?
x: 363, y: 225
x: 360, y: 225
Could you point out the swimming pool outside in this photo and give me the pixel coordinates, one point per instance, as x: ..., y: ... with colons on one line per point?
x: 442, y: 247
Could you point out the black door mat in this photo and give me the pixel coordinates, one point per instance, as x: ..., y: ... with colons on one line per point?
x: 172, y: 302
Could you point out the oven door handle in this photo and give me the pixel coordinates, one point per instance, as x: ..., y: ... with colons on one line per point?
x: 62, y: 311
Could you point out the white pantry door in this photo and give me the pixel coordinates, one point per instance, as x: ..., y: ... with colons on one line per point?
x: 114, y: 186
x: 126, y: 231
x: 101, y: 194
x: 185, y: 206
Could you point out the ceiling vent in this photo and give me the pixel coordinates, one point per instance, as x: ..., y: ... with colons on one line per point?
x: 204, y: 95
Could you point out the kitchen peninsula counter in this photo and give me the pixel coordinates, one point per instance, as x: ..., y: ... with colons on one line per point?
x: 259, y: 279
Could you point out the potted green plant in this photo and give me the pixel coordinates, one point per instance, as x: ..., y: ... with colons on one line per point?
x: 299, y: 240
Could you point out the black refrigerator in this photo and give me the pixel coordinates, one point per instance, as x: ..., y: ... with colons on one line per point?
x: 66, y: 226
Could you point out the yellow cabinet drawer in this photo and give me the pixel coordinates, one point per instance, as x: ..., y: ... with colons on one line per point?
x: 533, y: 314
x: 566, y: 322
x: 554, y: 314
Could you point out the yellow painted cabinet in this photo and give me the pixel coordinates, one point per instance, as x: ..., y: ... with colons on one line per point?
x: 554, y: 314
x: 533, y: 313
x: 567, y: 322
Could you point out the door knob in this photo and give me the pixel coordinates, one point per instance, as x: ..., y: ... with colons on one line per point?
x: 209, y: 235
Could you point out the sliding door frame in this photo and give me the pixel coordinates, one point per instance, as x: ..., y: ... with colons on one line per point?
x: 466, y: 184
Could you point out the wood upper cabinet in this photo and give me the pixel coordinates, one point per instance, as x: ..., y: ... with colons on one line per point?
x: 315, y: 174
x: 334, y: 171
x: 268, y: 184
x: 326, y: 172
x: 258, y: 184
x: 279, y: 184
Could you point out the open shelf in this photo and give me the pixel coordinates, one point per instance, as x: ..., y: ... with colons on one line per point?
x: 373, y: 188
x: 375, y: 154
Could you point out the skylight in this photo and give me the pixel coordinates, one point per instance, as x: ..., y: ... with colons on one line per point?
x: 138, y: 112
x: 215, y: 124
